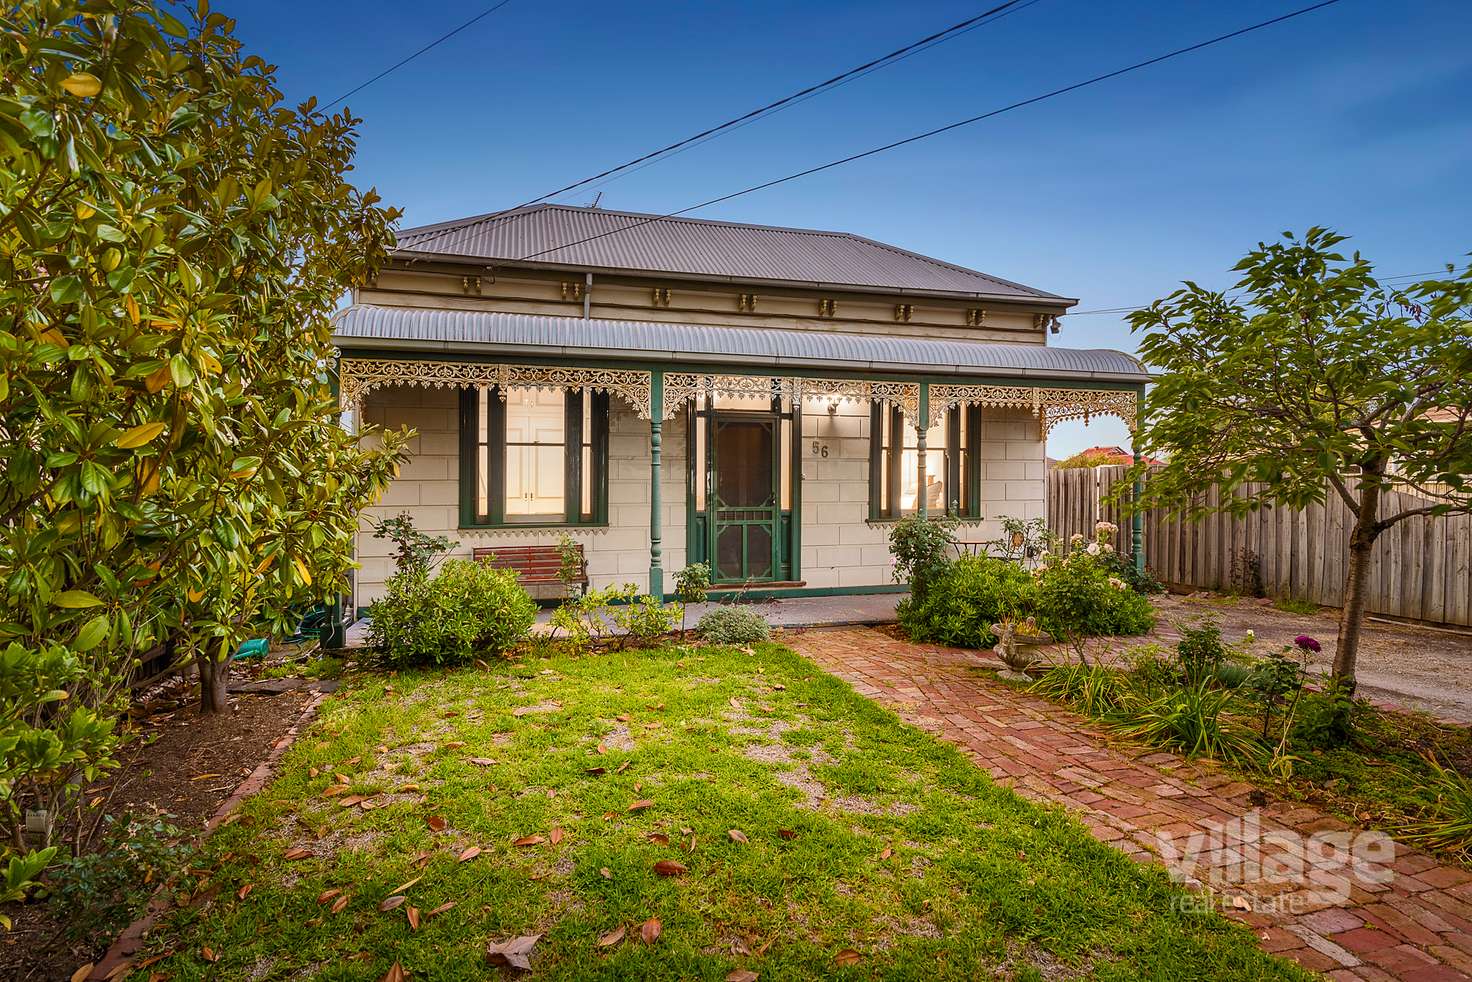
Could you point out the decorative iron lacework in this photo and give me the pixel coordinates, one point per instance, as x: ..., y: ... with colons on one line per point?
x: 682, y: 386
x: 356, y: 377
x: 1051, y: 405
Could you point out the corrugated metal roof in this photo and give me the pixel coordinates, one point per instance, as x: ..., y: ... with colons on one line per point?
x: 510, y: 334
x: 696, y: 247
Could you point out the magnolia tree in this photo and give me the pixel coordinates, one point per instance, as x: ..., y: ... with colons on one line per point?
x: 1315, y: 380
x: 173, y: 240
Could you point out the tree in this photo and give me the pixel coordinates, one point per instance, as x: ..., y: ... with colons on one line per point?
x: 173, y: 240
x: 1316, y: 380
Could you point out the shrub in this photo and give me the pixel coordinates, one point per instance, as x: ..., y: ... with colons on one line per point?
x: 96, y: 893
x: 414, y: 551
x: 1277, y: 680
x: 645, y: 618
x: 1188, y: 720
x: 920, y: 546
x: 1201, y: 651
x: 586, y: 617
x: 1138, y: 580
x: 469, y: 609
x: 1077, y: 598
x: 729, y: 624
x: 1329, y: 719
x: 965, y: 600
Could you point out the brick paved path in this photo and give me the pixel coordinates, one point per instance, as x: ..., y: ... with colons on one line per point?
x: 1406, y: 919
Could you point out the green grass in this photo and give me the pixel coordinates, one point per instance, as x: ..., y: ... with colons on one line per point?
x: 862, y: 832
x: 1292, y: 605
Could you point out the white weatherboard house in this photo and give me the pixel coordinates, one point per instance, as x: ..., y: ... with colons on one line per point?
x: 667, y: 390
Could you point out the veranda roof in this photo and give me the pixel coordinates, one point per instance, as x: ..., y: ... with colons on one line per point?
x: 501, y: 334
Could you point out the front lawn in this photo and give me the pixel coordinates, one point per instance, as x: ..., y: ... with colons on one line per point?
x: 812, y: 834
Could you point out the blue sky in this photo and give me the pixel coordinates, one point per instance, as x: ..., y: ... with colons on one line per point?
x: 1356, y: 117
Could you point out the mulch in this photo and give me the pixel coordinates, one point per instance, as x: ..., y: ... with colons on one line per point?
x: 176, y: 763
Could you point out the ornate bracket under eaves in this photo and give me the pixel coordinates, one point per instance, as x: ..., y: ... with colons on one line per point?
x: 1051, y: 405
x: 356, y: 377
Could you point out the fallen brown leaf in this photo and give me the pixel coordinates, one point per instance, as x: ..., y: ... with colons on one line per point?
x: 440, y: 909
x: 412, y: 913
x: 327, y: 895
x: 333, y: 789
x: 886, y: 853
x: 649, y: 930
x: 611, y: 938
x: 404, y: 887
x: 670, y: 867
x: 483, y: 761
x: 555, y: 836
x: 622, y: 767
x: 787, y: 834
x: 469, y: 853
x: 640, y: 805
x: 513, y: 952
x: 529, y: 840
x: 349, y: 801
x: 737, y: 836
x: 244, y: 891
x: 602, y: 749
x: 659, y: 838
x: 395, y: 973
x: 209, y: 954
x: 595, y: 771
x: 742, y: 975
x: 389, y: 903
x: 297, y: 852
x: 605, y: 872
x: 342, y: 902
x: 847, y: 957
x: 82, y: 972
x: 436, y: 823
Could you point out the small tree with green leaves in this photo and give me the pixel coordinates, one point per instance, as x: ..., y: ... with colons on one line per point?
x: 1315, y: 380
x: 692, y: 586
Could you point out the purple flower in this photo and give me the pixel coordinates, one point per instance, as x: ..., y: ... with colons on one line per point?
x: 1307, y: 643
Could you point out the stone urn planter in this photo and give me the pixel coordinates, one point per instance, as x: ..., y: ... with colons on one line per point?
x: 1017, y: 644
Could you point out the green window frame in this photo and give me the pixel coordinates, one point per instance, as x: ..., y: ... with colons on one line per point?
x: 483, y: 461
x: 960, y: 470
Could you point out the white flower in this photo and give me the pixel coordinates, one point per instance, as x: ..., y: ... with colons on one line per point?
x: 1117, y: 583
x: 1076, y: 538
x: 1106, y: 547
x: 1251, y: 636
x: 1093, y: 549
x: 1105, y: 527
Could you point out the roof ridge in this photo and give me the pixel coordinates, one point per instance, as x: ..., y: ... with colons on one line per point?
x: 954, y: 266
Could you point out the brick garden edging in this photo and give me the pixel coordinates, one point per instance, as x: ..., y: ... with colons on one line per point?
x: 1416, y: 927
x: 119, y: 957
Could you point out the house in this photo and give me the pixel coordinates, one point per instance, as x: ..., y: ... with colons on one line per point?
x: 670, y: 390
x: 1103, y: 457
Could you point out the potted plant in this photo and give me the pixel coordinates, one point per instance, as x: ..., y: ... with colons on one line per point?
x: 1017, y: 642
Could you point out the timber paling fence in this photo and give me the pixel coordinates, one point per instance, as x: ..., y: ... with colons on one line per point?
x: 1422, y: 566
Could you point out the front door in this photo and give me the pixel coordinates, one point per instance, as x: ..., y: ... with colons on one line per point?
x: 745, y: 505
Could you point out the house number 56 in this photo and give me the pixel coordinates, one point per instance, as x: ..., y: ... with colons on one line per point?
x: 820, y: 449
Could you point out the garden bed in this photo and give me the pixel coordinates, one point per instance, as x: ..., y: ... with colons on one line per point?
x: 178, y: 766
x: 669, y: 813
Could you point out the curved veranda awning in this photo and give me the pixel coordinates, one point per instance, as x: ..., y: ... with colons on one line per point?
x: 469, y: 331
x: 487, y: 344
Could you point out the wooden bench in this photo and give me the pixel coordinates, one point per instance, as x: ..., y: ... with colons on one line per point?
x: 537, y: 567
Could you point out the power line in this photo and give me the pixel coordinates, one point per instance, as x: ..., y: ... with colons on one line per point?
x: 944, y: 129
x: 1236, y: 296
x: 873, y: 65
x: 433, y: 44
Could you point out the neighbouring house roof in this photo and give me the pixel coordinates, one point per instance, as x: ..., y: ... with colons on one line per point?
x: 1104, y: 456
x: 690, y: 247
x: 421, y: 329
